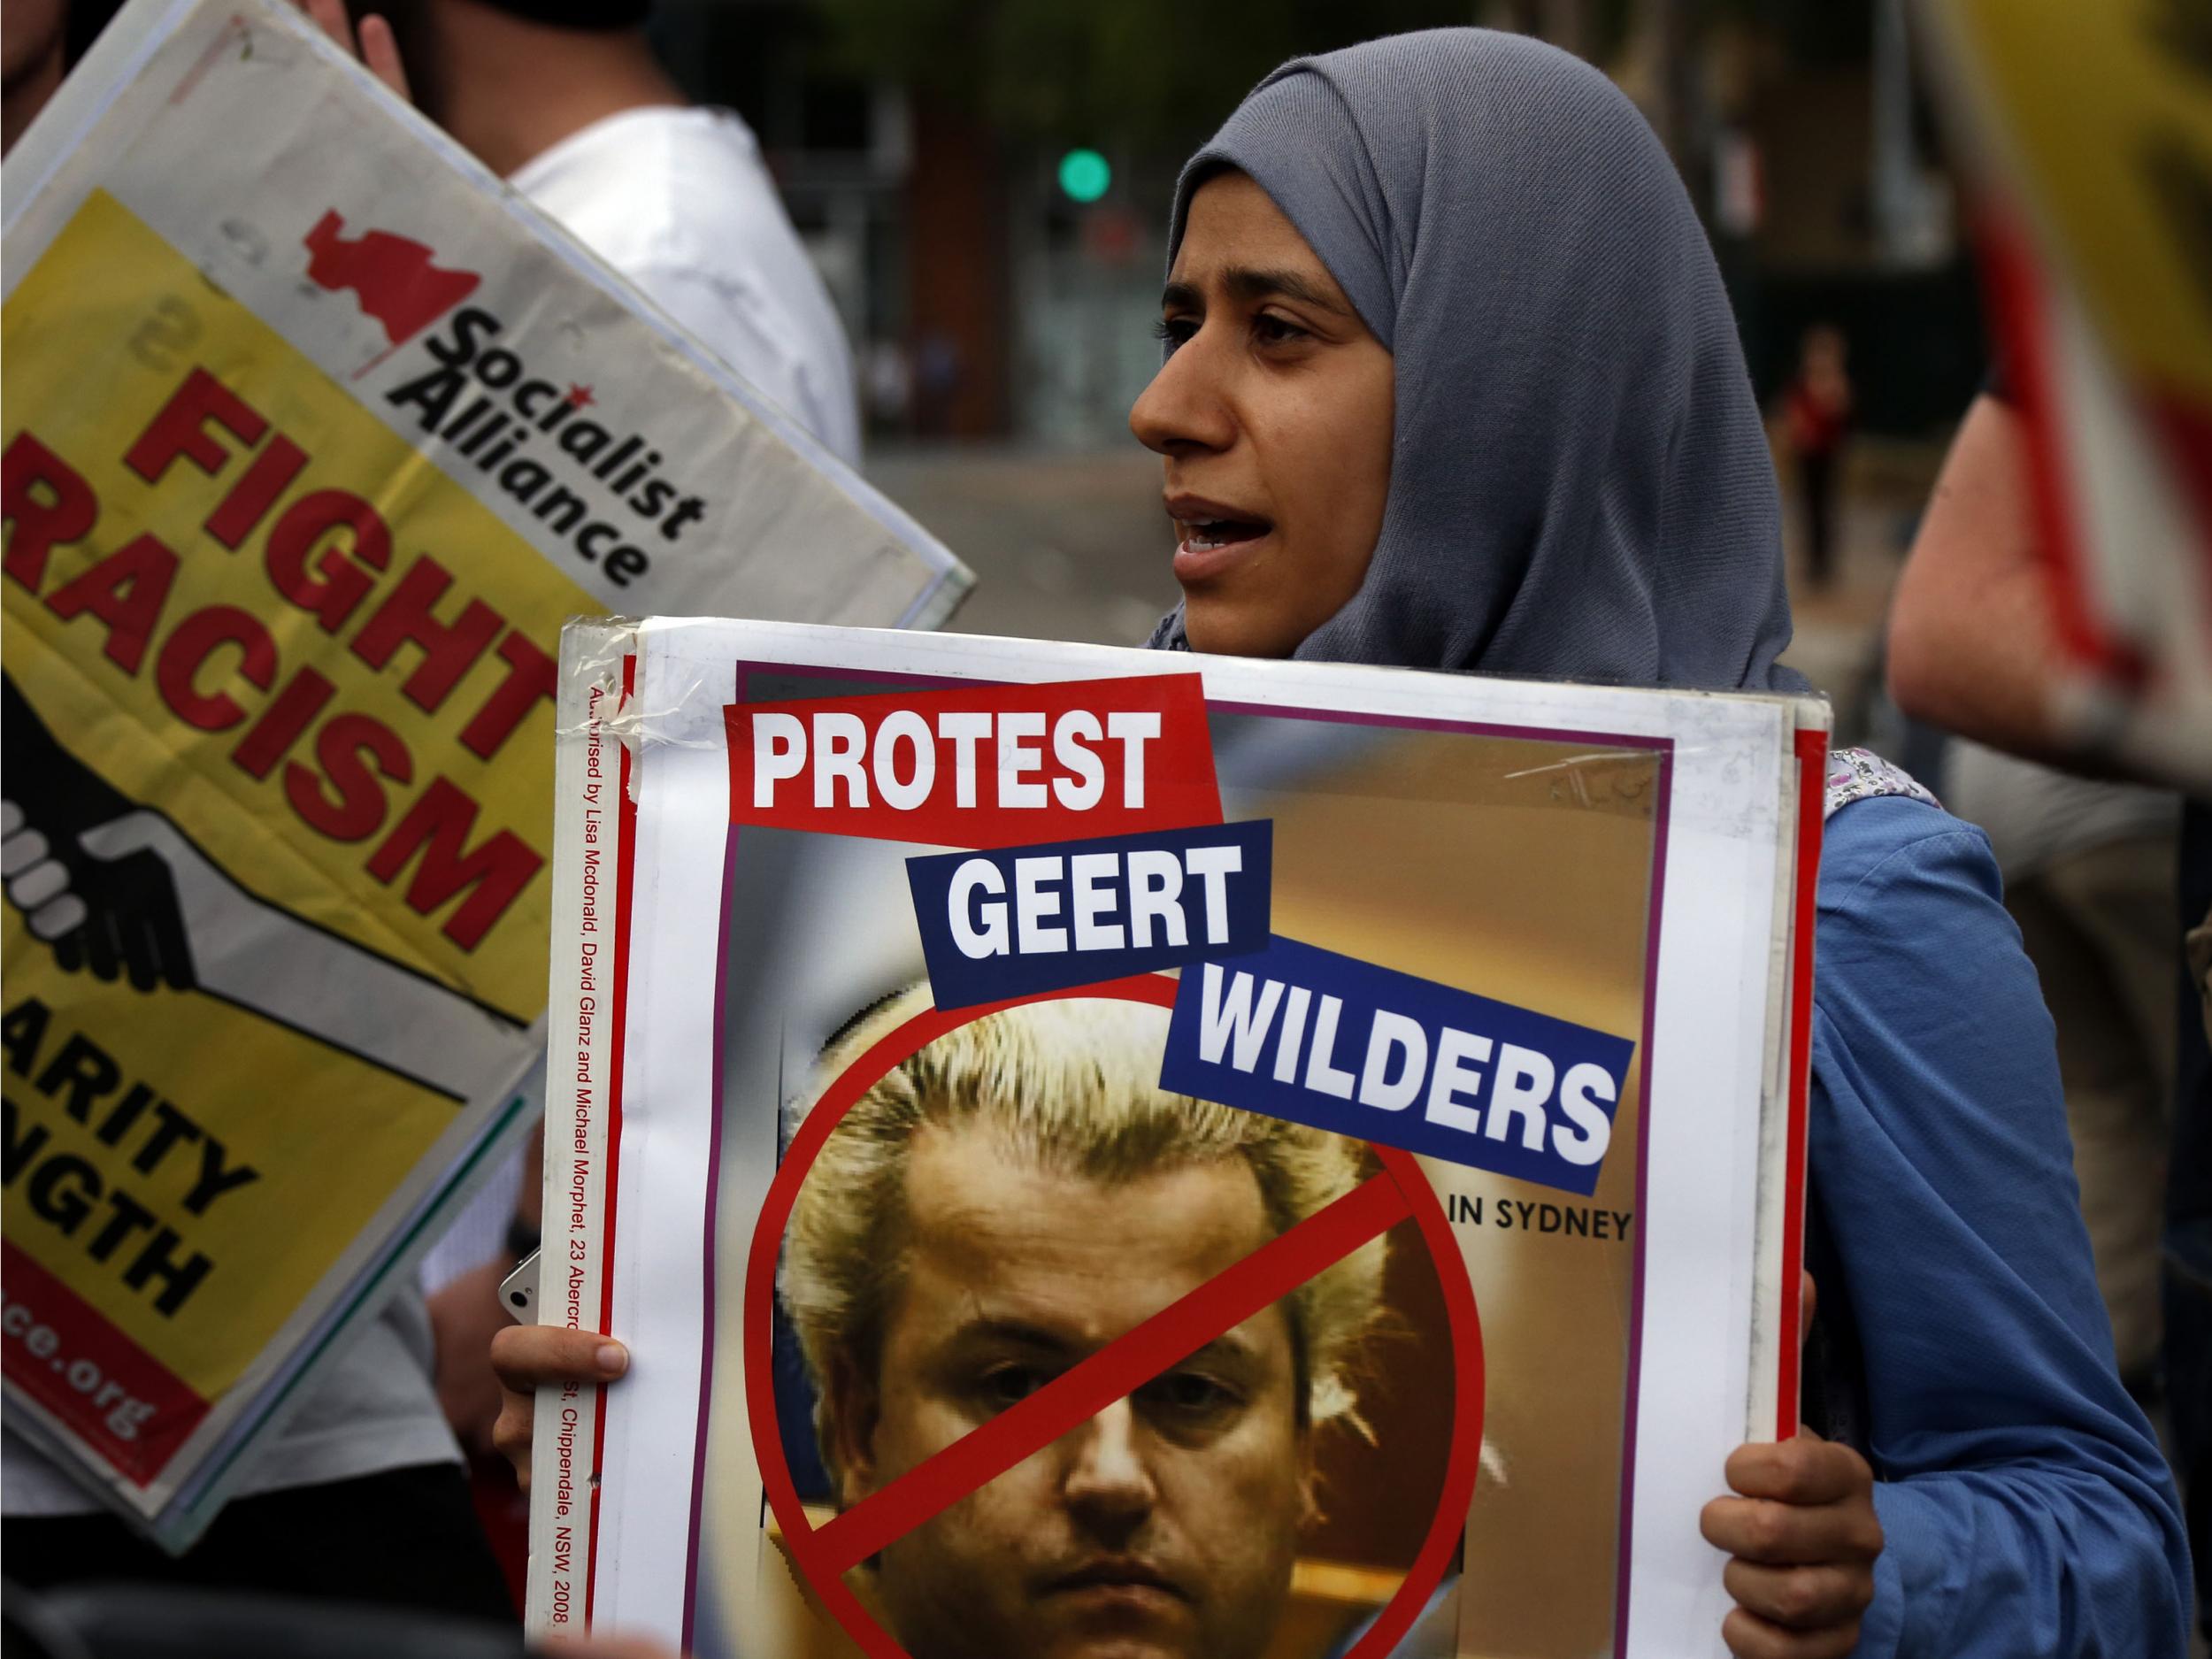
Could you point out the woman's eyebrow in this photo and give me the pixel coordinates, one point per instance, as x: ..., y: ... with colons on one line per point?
x: 1249, y: 284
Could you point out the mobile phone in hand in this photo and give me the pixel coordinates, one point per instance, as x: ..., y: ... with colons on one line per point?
x: 518, y: 1291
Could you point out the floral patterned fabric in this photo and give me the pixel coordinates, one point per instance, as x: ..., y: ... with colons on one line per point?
x: 1856, y: 774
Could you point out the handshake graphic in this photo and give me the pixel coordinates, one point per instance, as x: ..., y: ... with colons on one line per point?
x: 91, y: 874
x: 117, y: 890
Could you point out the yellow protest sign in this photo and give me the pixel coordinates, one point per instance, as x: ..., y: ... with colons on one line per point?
x: 247, y: 600
x: 313, y: 438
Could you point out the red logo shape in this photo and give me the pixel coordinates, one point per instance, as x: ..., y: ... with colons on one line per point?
x: 391, y: 276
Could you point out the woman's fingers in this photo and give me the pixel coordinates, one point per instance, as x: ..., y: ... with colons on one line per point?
x: 511, y: 1432
x: 527, y: 1357
x: 1792, y: 1535
x: 1800, y: 1598
x: 1750, y: 1637
x: 1803, y: 1534
x: 1806, y: 1470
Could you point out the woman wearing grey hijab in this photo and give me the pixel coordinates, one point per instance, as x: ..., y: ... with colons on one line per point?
x: 1451, y: 383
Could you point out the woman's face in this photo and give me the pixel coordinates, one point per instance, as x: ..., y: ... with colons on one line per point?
x: 1272, y: 412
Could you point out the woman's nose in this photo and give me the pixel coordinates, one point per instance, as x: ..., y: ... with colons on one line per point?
x: 1184, y: 407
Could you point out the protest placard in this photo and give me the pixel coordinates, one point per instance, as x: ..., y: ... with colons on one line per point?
x: 1226, y: 1150
x: 315, y: 436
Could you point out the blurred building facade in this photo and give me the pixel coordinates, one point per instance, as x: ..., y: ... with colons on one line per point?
x: 983, y: 302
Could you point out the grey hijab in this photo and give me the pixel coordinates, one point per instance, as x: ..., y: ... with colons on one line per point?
x: 1580, y: 485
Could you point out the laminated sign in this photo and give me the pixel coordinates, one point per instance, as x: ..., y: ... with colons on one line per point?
x: 1221, y: 1158
x: 314, y: 436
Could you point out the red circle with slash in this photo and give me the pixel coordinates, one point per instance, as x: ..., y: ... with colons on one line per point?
x: 827, y: 1553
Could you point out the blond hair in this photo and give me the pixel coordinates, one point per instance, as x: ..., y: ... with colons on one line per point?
x: 1073, y: 1084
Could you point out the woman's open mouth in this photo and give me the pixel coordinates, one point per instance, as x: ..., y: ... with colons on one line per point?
x: 1219, y: 533
x: 1213, y: 538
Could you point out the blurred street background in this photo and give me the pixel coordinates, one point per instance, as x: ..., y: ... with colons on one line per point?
x: 984, y: 188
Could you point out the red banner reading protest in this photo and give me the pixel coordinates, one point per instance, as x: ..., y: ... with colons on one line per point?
x: 980, y: 765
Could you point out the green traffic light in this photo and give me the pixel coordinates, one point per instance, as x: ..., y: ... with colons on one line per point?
x: 1085, y: 175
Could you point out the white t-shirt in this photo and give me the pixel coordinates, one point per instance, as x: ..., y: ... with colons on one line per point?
x: 679, y: 201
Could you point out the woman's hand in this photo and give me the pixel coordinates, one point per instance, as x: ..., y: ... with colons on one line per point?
x: 1802, y: 1536
x: 529, y: 1357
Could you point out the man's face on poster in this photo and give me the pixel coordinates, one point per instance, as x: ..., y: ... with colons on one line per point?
x: 1167, y: 1525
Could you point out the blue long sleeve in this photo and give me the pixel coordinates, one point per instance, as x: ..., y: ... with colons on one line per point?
x: 2027, y: 1509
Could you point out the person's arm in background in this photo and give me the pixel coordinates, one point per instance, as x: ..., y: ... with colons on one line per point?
x: 1972, y: 637
x: 1970, y: 633
x: 2027, y: 1511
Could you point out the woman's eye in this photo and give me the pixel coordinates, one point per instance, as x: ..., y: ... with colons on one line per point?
x: 1275, y: 331
x: 1175, y: 331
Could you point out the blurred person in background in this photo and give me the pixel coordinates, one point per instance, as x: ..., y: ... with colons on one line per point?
x: 2089, y: 871
x: 1816, y: 422
x: 1972, y: 648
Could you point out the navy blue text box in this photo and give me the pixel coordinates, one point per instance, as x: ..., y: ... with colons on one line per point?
x: 1012, y: 921
x: 1341, y: 1044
